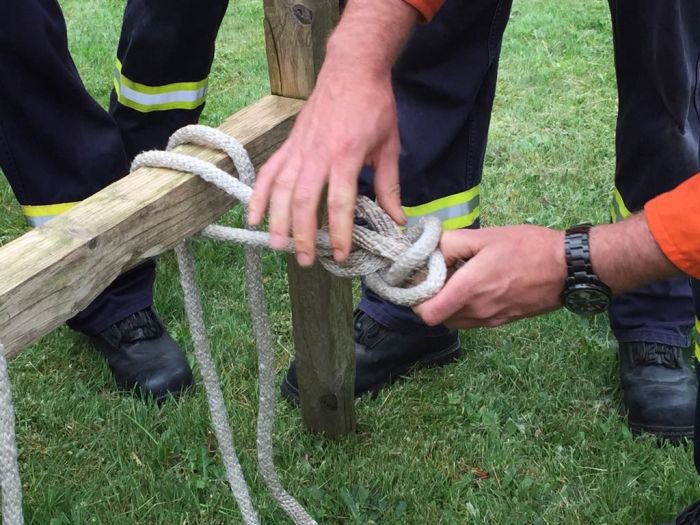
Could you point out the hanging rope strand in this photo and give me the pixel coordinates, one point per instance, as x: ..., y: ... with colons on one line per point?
x: 386, y: 256
x: 9, y: 468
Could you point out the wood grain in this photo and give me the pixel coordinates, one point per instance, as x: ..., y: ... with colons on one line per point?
x: 296, y: 33
x: 52, y: 272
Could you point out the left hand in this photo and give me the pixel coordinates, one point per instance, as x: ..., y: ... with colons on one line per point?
x: 511, y: 273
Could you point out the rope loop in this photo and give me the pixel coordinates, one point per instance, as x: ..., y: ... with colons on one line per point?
x: 387, y: 257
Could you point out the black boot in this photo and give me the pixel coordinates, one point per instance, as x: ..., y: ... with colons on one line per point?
x: 689, y: 516
x: 382, y: 356
x: 659, y: 390
x: 143, y: 356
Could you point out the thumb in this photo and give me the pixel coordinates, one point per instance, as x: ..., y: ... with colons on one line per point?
x: 449, y: 300
x: 460, y: 245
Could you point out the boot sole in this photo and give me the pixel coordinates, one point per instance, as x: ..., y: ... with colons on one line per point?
x: 442, y: 358
x: 675, y: 435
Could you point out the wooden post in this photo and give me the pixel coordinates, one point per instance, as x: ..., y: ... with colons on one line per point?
x: 296, y: 32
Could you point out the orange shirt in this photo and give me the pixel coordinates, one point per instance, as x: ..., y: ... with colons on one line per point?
x: 427, y: 8
x: 674, y: 221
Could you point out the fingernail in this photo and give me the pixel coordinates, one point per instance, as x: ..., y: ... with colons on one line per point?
x: 338, y: 255
x: 304, y: 259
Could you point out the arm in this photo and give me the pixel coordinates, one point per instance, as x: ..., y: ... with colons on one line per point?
x: 349, y: 121
x: 519, y: 271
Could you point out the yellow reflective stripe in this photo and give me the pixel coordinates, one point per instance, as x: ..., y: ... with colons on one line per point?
x: 48, y: 209
x: 697, y: 350
x: 158, y: 90
x: 143, y: 98
x: 461, y: 222
x: 442, y: 203
x: 618, y: 209
x: 455, y: 211
x: 696, y: 338
x: 40, y: 215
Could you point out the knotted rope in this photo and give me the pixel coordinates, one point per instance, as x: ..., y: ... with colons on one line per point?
x: 386, y: 256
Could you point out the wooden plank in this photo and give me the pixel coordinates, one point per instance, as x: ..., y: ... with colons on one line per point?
x: 52, y: 272
x: 296, y: 32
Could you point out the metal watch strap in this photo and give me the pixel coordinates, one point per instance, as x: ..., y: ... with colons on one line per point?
x: 578, y: 257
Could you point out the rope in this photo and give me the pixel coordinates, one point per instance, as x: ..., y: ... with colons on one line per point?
x: 9, y: 469
x: 385, y: 255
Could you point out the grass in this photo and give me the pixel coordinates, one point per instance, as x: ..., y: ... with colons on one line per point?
x: 525, y: 429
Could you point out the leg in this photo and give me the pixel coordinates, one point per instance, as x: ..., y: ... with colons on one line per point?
x: 656, y: 58
x: 57, y: 147
x: 161, y: 74
x: 444, y: 83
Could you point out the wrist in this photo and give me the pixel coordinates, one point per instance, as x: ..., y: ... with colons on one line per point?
x: 370, y: 36
x: 584, y: 292
x: 626, y: 256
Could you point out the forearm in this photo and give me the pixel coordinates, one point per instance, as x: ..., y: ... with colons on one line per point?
x: 626, y: 256
x: 370, y: 36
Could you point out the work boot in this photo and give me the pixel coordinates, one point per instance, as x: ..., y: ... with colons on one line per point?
x: 659, y: 390
x: 689, y: 516
x: 143, y: 357
x: 383, y: 355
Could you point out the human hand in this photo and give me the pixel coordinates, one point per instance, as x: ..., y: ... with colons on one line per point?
x: 510, y: 273
x: 348, y: 122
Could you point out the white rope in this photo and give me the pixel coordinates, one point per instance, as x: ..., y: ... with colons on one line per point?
x: 9, y: 469
x: 385, y: 255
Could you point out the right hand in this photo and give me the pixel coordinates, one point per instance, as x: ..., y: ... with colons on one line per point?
x: 348, y: 122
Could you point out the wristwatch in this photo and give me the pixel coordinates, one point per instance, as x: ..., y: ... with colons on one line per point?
x: 584, y: 293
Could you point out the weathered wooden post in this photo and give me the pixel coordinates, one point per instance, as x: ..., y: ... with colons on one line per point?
x: 295, y: 33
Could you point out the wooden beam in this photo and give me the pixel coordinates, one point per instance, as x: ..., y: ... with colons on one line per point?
x: 52, y: 272
x: 296, y: 32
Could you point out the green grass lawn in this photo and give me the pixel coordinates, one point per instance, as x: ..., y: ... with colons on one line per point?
x: 534, y: 405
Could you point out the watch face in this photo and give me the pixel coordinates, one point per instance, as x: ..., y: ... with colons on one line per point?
x: 586, y: 299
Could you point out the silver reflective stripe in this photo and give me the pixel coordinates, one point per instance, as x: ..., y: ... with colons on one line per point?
x: 35, y: 222
x: 158, y: 99
x: 452, y: 212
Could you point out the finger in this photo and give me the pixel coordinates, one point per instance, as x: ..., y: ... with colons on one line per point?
x: 450, y: 300
x: 386, y: 180
x: 460, y: 245
x: 342, y: 194
x: 306, y: 199
x: 464, y: 322
x: 263, y: 185
x: 280, y: 206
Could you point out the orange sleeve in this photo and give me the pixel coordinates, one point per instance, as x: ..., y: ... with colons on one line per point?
x: 427, y: 8
x: 674, y: 222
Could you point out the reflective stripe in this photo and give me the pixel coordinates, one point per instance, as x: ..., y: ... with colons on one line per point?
x: 697, y: 339
x: 39, y: 215
x: 143, y: 98
x: 618, y: 209
x: 455, y: 211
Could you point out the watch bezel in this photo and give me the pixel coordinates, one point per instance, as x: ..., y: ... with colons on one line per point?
x: 573, y: 298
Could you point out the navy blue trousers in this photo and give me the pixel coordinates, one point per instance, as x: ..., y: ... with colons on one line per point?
x: 59, y: 146
x: 445, y: 83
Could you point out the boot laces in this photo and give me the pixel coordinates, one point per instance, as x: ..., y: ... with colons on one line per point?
x: 137, y: 327
x: 657, y: 354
